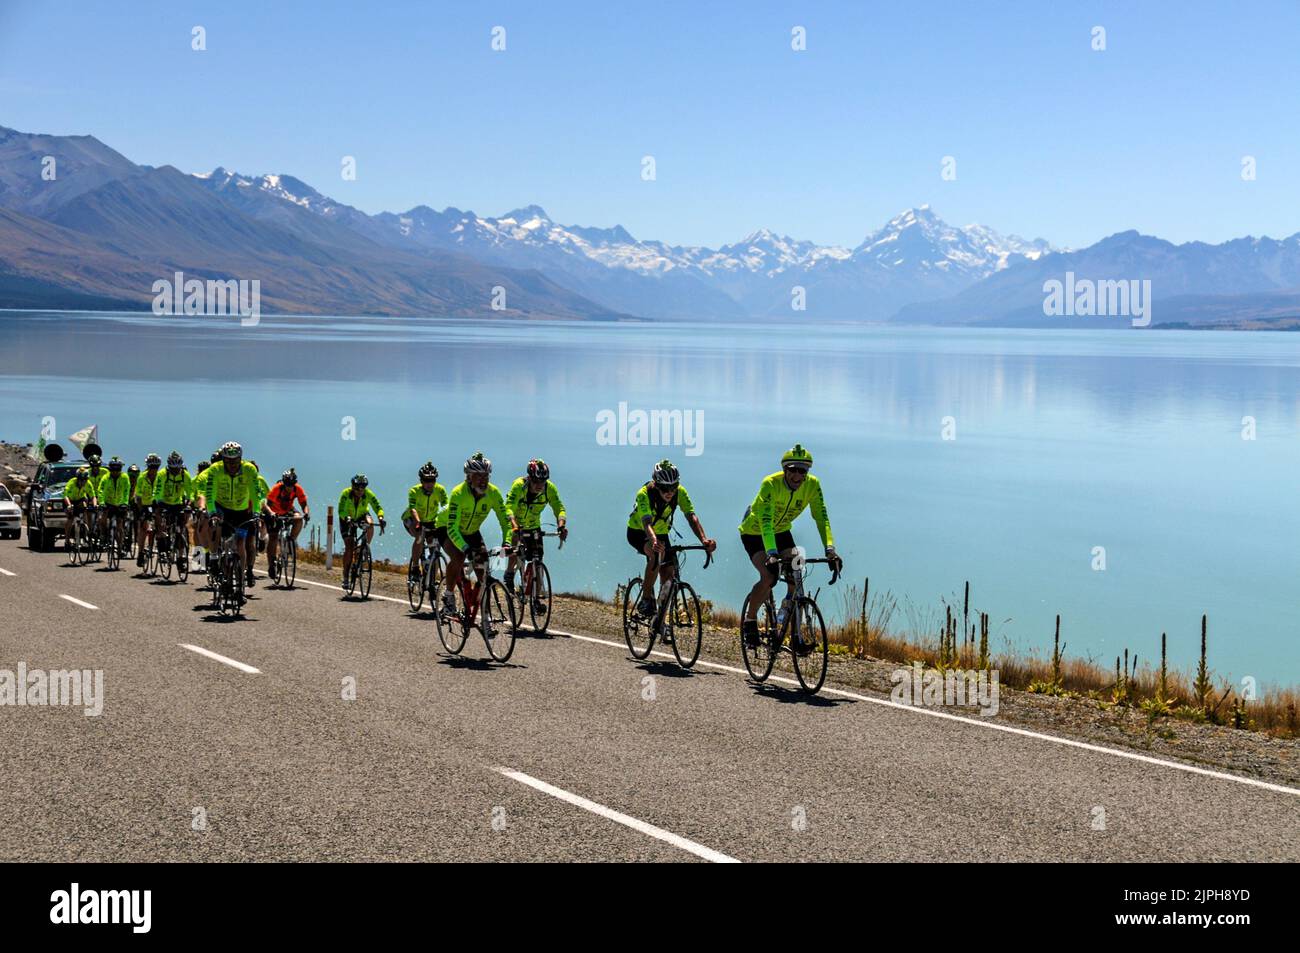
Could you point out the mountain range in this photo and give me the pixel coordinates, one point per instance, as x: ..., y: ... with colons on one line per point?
x: 101, y: 230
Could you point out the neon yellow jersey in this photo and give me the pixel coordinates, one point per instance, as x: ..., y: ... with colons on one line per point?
x: 145, y: 489
x: 114, y: 492
x: 650, y: 503
x: 527, y: 507
x: 174, y: 489
x: 74, y: 494
x: 425, y: 505
x: 351, y: 508
x: 776, y: 507
x: 465, y: 513
x: 238, y: 492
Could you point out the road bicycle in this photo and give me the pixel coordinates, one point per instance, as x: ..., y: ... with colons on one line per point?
x: 283, y: 569
x: 172, y: 540
x: 484, y: 603
x: 225, y: 571
x: 676, y: 620
x: 424, y: 577
x: 147, y: 551
x: 360, y: 572
x: 534, y: 590
x: 798, y: 628
x: 81, y: 542
x: 113, y: 540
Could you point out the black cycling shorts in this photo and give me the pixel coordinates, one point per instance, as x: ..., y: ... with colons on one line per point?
x: 636, y: 538
x: 472, y: 541
x: 753, y: 542
x: 232, y: 522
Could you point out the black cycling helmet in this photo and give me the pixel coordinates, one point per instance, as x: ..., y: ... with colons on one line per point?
x: 133, y: 468
x: 665, y: 474
x: 153, y: 460
x: 93, y: 459
x: 174, y: 460
x: 203, y: 465
x: 83, y: 475
x: 538, y: 470
x: 216, y: 457
x: 428, y: 471
x: 289, y: 476
x: 360, y: 481
x: 115, y: 464
x: 478, y: 464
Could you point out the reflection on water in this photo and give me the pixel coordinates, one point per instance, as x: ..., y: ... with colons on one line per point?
x: 1064, y: 441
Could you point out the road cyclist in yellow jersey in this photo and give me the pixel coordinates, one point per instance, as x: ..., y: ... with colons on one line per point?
x: 459, y: 523
x: 229, y: 498
x: 203, y: 536
x: 765, y: 530
x: 114, y: 495
x: 256, y: 541
x: 650, y: 523
x: 79, y: 495
x: 143, y: 494
x: 528, y: 498
x: 173, y: 496
x: 424, y: 501
x: 355, y: 505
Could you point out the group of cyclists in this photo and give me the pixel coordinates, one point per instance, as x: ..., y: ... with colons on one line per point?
x: 227, y: 496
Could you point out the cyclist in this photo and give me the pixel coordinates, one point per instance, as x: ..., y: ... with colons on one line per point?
x: 765, y: 529
x: 423, y: 503
x: 172, y: 495
x: 114, y: 492
x: 143, y: 494
x: 355, y: 503
x: 229, y: 498
x: 650, y: 522
x: 256, y: 541
x: 460, y: 521
x: 279, y: 502
x: 529, y: 495
x: 80, y: 497
x: 96, y: 471
x: 202, y: 536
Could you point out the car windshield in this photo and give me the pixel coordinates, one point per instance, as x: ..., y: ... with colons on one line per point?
x: 61, y: 474
x: 4, y: 494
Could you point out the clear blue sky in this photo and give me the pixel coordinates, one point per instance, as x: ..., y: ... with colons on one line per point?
x: 1051, y: 138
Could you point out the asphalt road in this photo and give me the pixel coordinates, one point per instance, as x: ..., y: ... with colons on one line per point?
x: 573, y: 751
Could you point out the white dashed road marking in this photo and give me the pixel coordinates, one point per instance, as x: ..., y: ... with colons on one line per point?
x: 221, y: 658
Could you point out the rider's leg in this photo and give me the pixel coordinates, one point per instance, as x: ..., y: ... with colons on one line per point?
x: 417, y: 539
x: 762, y: 589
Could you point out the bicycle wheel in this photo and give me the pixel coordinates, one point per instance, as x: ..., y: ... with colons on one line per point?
x: 451, y: 633
x: 760, y: 658
x: 365, y: 571
x: 113, y: 551
x: 75, y: 552
x: 638, y: 631
x: 539, y: 600
x: 349, y: 580
x: 275, y: 566
x: 415, y: 575
x: 810, y: 658
x: 290, y: 573
x: 686, y: 624
x: 181, y: 556
x: 497, y: 621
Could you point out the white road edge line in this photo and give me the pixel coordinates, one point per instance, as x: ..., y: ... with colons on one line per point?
x: 1009, y: 729
x: 6, y: 572
x: 221, y: 658
x: 668, y: 837
x: 76, y: 601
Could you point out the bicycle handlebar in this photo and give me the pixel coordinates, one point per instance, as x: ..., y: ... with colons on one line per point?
x: 708, y: 554
x: 835, y: 573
